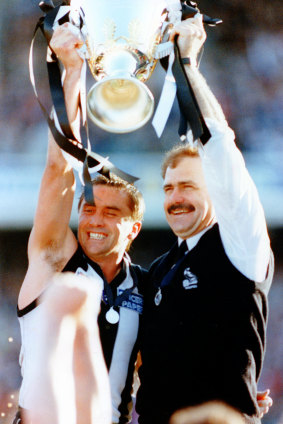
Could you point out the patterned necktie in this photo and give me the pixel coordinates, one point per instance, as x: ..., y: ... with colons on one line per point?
x: 168, y: 278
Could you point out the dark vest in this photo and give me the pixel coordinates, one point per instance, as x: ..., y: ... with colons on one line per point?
x: 206, y: 339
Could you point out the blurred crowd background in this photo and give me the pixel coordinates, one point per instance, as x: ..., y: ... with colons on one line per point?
x: 242, y: 62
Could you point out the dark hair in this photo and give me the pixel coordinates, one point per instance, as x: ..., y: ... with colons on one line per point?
x: 178, y: 152
x: 136, y: 201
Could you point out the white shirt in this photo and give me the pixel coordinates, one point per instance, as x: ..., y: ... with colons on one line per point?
x: 238, y: 210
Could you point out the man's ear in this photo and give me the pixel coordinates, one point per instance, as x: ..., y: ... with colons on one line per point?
x: 135, y: 230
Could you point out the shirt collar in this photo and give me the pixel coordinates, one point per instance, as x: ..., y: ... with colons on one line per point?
x: 193, y: 241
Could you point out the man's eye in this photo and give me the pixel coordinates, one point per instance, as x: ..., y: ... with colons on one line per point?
x: 111, y: 214
x: 167, y: 189
x: 188, y: 187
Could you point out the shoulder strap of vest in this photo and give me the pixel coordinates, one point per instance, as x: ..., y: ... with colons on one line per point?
x: 77, y: 260
x: 139, y: 275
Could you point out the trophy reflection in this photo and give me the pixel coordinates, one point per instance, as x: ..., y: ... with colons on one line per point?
x: 123, y: 39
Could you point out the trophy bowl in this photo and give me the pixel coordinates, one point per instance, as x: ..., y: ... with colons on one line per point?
x: 122, y: 39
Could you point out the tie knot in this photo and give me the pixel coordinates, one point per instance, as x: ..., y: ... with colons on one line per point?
x: 183, y: 246
x: 182, y: 249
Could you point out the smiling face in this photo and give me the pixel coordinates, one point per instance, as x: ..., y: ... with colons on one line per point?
x: 187, y: 204
x: 106, y: 228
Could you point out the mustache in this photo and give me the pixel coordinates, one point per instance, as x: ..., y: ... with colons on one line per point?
x: 175, y: 206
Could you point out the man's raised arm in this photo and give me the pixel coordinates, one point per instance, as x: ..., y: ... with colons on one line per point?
x: 191, y: 37
x: 58, y: 182
x: 52, y: 242
x: 235, y: 199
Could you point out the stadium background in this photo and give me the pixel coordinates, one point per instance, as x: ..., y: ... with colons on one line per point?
x: 242, y: 62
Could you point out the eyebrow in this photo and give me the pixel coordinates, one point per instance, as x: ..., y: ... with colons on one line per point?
x: 114, y: 208
x: 167, y: 185
x: 180, y: 183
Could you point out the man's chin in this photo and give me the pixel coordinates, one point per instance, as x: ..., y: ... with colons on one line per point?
x: 96, y: 250
x: 181, y: 232
x: 178, y: 226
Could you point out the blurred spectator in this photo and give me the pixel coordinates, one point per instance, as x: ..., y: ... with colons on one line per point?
x: 208, y: 413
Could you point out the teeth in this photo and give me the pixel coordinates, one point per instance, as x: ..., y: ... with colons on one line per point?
x: 96, y: 236
x: 176, y: 212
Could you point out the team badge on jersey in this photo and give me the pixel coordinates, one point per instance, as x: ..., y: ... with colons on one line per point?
x: 190, y: 281
x: 133, y: 302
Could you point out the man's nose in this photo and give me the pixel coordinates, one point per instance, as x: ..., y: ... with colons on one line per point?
x: 97, y: 219
x: 176, y: 196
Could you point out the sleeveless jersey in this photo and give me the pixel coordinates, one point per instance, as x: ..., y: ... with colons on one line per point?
x: 119, y: 341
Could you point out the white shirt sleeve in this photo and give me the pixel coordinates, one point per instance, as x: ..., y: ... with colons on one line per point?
x: 237, y: 206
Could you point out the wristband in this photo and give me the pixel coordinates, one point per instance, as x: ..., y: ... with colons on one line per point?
x: 186, y: 61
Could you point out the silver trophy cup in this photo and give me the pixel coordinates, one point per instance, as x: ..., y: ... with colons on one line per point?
x: 124, y: 39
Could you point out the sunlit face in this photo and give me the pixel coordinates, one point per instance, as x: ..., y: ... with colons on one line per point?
x: 106, y: 228
x: 187, y: 204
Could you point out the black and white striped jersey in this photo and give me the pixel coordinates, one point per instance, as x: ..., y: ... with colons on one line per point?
x: 119, y: 340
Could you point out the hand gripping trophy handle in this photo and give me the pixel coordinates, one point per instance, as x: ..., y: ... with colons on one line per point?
x: 124, y: 39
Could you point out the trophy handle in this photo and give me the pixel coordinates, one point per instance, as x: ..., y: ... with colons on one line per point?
x: 120, y: 104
